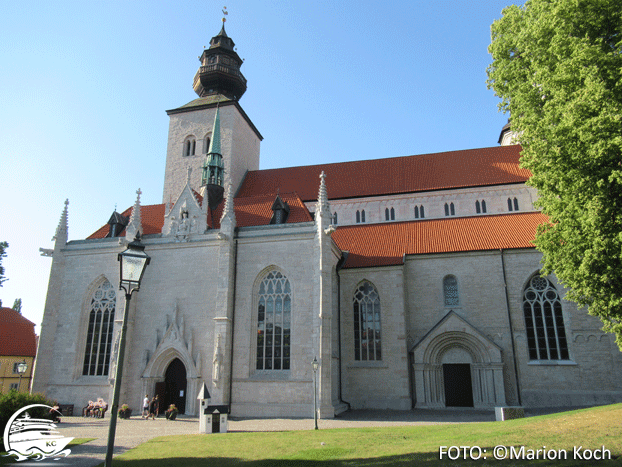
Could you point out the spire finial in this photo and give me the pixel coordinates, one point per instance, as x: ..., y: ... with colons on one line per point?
x: 61, y: 230
x: 322, y: 197
x: 135, y: 226
x: 227, y: 221
x: 225, y: 13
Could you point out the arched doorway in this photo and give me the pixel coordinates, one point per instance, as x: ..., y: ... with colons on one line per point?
x: 175, y: 385
x: 456, y: 365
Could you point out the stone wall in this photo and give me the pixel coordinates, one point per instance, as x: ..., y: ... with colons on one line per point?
x: 239, y: 147
x: 382, y: 384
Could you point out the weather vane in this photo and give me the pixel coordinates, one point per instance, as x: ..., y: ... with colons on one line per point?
x: 224, y: 12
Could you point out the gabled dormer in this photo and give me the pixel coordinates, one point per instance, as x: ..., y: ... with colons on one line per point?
x: 117, y: 223
x: 280, y: 211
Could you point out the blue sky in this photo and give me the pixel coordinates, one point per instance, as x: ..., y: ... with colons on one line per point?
x: 85, y: 86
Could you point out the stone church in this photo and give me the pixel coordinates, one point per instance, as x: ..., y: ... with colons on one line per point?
x: 412, y: 280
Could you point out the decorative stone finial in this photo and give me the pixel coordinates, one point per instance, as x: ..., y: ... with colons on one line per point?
x: 135, y: 225
x: 61, y: 230
x: 322, y: 197
x: 228, y: 213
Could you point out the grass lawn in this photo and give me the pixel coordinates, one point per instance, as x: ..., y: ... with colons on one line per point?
x: 396, y: 446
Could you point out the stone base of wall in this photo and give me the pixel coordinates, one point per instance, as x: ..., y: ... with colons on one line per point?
x: 569, y: 398
x: 272, y: 410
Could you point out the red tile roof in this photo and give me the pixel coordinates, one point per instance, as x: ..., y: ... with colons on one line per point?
x: 256, y: 210
x: 152, y: 217
x: 17, y: 334
x: 474, y: 167
x: 385, y: 244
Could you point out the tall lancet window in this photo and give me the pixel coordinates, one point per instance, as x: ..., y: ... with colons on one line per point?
x: 99, y: 333
x: 274, y: 316
x: 450, y: 291
x: 544, y: 322
x: 367, y: 338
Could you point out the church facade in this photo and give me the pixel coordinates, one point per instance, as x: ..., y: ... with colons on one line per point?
x: 412, y: 280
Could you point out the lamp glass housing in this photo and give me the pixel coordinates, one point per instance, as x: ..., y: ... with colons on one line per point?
x: 133, y: 262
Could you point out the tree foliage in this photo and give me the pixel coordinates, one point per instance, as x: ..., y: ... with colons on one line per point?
x: 557, y: 67
x: 3, y: 247
x: 17, y: 305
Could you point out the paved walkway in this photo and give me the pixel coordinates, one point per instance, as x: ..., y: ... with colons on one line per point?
x: 133, y: 432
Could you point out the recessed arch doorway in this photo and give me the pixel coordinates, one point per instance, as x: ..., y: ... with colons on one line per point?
x: 175, y: 385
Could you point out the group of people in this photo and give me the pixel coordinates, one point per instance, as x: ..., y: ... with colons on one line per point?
x: 150, y: 407
x: 95, y: 409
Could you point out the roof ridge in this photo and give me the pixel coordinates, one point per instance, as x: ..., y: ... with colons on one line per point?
x: 496, y: 148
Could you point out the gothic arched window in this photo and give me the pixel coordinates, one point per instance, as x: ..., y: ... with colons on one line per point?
x: 421, y: 211
x: 483, y: 206
x: 544, y: 322
x: 99, y: 333
x: 450, y: 291
x: 274, y: 315
x: 477, y: 208
x: 358, y: 217
x: 386, y: 214
x: 392, y: 214
x: 416, y: 212
x: 335, y: 218
x: 367, y: 338
x: 363, y: 215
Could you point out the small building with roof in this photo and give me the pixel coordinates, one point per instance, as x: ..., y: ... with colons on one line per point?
x: 413, y: 281
x: 18, y: 344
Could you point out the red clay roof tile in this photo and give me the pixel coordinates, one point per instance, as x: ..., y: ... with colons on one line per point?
x: 385, y: 244
x: 17, y: 334
x: 256, y: 210
x: 455, y: 169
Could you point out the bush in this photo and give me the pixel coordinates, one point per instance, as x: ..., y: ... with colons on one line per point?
x: 13, y: 401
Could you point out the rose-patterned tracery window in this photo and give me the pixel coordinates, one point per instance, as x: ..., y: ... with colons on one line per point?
x: 367, y: 338
x: 274, y: 315
x: 544, y: 322
x: 99, y: 333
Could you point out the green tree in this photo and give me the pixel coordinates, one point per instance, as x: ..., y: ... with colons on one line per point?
x: 17, y: 305
x: 3, y: 247
x: 557, y: 68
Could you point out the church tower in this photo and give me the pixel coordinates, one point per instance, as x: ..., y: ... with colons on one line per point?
x: 219, y: 84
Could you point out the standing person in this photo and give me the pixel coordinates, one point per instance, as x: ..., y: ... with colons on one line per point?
x: 153, y: 407
x: 145, y: 406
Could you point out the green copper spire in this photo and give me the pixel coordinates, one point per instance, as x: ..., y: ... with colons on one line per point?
x: 214, y: 168
x: 214, y: 147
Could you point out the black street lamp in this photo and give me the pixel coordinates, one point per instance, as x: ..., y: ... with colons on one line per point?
x: 133, y: 262
x: 315, y: 365
x: 21, y: 369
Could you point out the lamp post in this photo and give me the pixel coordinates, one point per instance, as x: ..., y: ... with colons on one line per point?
x: 315, y: 364
x: 21, y: 369
x: 133, y: 262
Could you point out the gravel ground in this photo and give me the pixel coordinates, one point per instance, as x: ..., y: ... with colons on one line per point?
x: 130, y: 433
